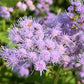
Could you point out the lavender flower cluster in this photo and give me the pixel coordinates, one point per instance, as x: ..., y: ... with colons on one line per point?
x: 5, y: 12
x: 45, y: 41
x: 76, y: 13
x: 23, y: 6
x: 42, y: 5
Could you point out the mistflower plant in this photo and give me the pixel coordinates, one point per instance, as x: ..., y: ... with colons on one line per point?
x: 47, y: 42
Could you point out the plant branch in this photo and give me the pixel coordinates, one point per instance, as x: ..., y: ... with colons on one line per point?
x: 57, y: 76
x: 73, y: 69
x: 53, y: 71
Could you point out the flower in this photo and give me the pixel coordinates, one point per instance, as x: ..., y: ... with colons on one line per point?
x: 30, y: 4
x: 21, y: 53
x: 70, y: 15
x: 55, y: 33
x: 40, y: 44
x: 21, y: 6
x: 45, y: 55
x: 16, y: 39
x: 54, y: 56
x: 32, y: 57
x: 10, y: 9
x: 40, y: 66
x: 50, y: 45
x: 70, y: 8
x: 82, y: 26
x: 65, y: 60
x: 18, y: 4
x: 23, y: 71
x: 27, y: 43
x: 76, y: 3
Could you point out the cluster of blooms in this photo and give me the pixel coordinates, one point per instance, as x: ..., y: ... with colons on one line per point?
x: 40, y: 44
x: 76, y: 13
x: 5, y: 12
x: 23, y: 6
x: 45, y: 41
x: 42, y: 5
x: 30, y: 4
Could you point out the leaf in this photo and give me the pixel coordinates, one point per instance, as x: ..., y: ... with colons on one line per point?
x: 8, y: 3
x: 3, y: 37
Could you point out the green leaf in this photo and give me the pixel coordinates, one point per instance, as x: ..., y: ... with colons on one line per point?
x: 3, y: 37
x: 8, y: 2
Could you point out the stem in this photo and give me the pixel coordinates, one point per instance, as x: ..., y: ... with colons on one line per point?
x: 72, y: 69
x: 53, y: 71
x: 57, y: 76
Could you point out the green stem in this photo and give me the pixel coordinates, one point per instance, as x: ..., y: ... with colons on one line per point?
x: 56, y: 79
x: 53, y: 71
x: 72, y: 69
x: 57, y: 76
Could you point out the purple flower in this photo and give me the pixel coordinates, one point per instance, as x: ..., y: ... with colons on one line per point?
x: 25, y: 22
x: 82, y: 80
x: 82, y: 61
x: 23, y: 71
x: 32, y: 57
x: 40, y: 66
x: 66, y: 39
x: 39, y: 34
x: 16, y: 39
x: 82, y: 26
x: 70, y: 8
x: 10, y: 9
x: 28, y: 43
x: 43, y: 5
x: 61, y: 49
x: 80, y: 9
x: 18, y: 4
x: 70, y: 15
x: 76, y: 3
x: 81, y: 74
x: 13, y: 60
x: 22, y: 53
x: 54, y: 56
x: 50, y: 45
x: 45, y: 55
x: 55, y: 33
x: 37, y: 26
x: 65, y: 60
x: 82, y: 17
x: 30, y: 4
x: 40, y: 44
x: 80, y: 20
x: 23, y: 7
x: 4, y: 8
x: 4, y: 12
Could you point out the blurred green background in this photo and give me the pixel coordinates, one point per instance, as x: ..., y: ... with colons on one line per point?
x: 10, y: 77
